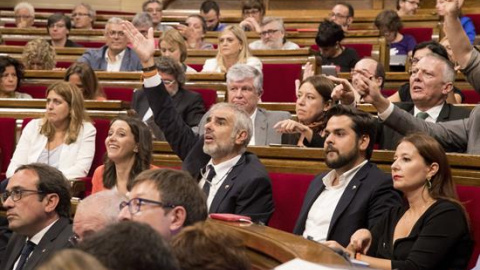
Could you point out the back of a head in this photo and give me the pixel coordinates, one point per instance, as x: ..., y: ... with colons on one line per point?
x: 205, y: 246
x: 142, y: 19
x: 434, y: 46
x: 388, y: 20
x: 329, y: 34
x: 130, y: 245
x: 71, y: 259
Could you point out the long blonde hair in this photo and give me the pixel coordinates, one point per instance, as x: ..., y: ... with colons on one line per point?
x: 77, y: 115
x: 244, y: 52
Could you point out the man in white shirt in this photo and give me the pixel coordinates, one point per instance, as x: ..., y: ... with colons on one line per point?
x: 355, y: 194
x: 37, y: 199
x: 115, y: 55
x: 272, y: 36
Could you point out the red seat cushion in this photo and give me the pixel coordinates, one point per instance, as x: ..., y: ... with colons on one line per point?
x: 7, y: 141
x: 36, y: 91
x: 279, y: 82
x: 90, y: 44
x: 420, y: 34
x: 475, y: 19
x: 470, y: 197
x: 289, y: 190
x: 197, y: 67
x: 471, y: 96
x: 209, y: 97
x: 118, y: 93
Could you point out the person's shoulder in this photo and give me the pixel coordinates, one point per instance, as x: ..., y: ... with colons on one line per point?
x: 290, y: 46
x: 255, y: 166
x: 268, y: 113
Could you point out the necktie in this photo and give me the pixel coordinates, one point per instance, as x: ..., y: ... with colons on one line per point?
x: 208, y: 180
x: 422, y: 115
x: 27, y: 249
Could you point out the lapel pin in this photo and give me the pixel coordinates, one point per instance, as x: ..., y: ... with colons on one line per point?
x: 354, y: 187
x: 227, y: 186
x: 44, y: 250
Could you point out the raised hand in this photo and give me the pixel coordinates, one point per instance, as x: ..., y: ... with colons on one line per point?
x: 143, y: 47
x: 452, y: 7
x: 344, y: 91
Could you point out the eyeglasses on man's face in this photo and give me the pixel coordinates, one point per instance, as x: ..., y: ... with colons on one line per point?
x: 337, y: 15
x: 251, y: 12
x: 135, y: 205
x: 17, y: 194
x: 113, y: 33
x: 79, y: 14
x: 268, y: 32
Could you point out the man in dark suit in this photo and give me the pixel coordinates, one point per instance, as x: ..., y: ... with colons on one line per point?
x: 37, y: 200
x: 355, y: 193
x: 234, y: 180
x: 187, y: 103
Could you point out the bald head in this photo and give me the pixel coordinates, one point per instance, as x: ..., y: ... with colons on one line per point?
x: 372, y: 68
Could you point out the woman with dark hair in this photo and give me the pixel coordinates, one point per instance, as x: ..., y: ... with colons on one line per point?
x: 64, y: 138
x: 389, y: 24
x: 12, y: 76
x: 313, y: 99
x: 431, y: 230
x: 129, y: 152
x: 328, y: 39
x: 252, y: 13
x: 58, y: 27
x: 194, y: 32
x: 83, y: 76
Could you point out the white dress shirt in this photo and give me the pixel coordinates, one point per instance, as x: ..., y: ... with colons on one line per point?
x: 252, y: 117
x: 114, y: 64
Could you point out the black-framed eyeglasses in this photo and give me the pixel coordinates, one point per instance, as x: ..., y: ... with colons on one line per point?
x: 80, y: 14
x: 337, y: 15
x: 74, y: 239
x: 269, y: 32
x: 135, y: 204
x: 17, y: 194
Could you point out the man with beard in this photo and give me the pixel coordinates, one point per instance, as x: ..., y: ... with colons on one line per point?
x: 233, y: 180
x: 272, y: 36
x: 355, y: 193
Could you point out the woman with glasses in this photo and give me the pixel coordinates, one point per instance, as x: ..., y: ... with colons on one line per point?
x: 389, y: 24
x: 188, y: 104
x: 252, y: 12
x: 172, y: 44
x: 12, y: 76
x: 58, y: 27
x: 232, y: 49
x: 83, y: 76
x: 313, y: 99
x: 129, y: 152
x: 83, y: 16
x: 64, y: 138
x: 431, y: 230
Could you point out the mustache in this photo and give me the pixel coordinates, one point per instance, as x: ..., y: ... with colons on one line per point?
x: 330, y: 148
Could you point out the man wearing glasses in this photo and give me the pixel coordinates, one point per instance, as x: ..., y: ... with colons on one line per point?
x: 115, y: 55
x: 252, y: 12
x: 272, y: 36
x: 342, y: 14
x: 154, y: 8
x: 407, y: 7
x: 83, y: 16
x: 165, y: 199
x: 37, y: 199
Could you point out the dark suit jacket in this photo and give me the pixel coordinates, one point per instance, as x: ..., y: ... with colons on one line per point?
x: 389, y: 138
x: 97, y: 61
x: 188, y: 104
x: 246, y: 190
x: 55, y: 239
x: 366, y: 198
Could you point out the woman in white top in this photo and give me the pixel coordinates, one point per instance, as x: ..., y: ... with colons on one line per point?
x: 232, y: 49
x: 172, y: 44
x: 64, y: 138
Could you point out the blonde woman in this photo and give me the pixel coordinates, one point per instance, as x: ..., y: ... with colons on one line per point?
x: 172, y: 44
x: 64, y: 138
x: 232, y: 49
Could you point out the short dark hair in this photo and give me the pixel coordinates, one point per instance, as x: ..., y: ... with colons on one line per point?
x: 433, y: 46
x: 113, y: 247
x: 388, y: 19
x: 169, y: 66
x: 144, y: 5
x: 6, y: 61
x: 56, y: 17
x: 251, y: 4
x: 329, y: 34
x: 51, y: 181
x: 351, y: 11
x: 177, y: 188
x: 363, y: 123
x: 204, y: 23
x: 209, y: 5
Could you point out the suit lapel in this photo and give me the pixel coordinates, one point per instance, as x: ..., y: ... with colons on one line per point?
x: 227, y: 185
x: 16, y: 250
x: 444, y: 113
x: 348, y: 195
x: 260, y: 128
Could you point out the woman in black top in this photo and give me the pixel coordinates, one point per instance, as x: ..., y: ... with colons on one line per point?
x: 431, y: 230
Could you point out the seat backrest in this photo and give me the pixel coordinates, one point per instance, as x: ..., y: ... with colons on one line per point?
x: 289, y: 190
x: 90, y: 44
x: 7, y: 141
x: 279, y: 82
x: 470, y: 197
x: 209, y: 97
x: 363, y: 50
x: 36, y: 91
x: 118, y: 93
x: 102, y: 126
x: 420, y: 34
x: 475, y: 19
x: 471, y: 96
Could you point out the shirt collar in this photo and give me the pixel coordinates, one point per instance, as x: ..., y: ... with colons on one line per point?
x: 343, y: 179
x: 118, y: 57
x: 224, y: 167
x: 433, y: 112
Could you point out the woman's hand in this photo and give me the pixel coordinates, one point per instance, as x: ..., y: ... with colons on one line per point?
x: 250, y: 24
x: 337, y: 246
x: 360, y: 241
x: 290, y: 126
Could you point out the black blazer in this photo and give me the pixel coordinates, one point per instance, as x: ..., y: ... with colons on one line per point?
x: 366, y: 198
x: 246, y: 190
x: 389, y: 138
x: 55, y: 239
x: 188, y: 104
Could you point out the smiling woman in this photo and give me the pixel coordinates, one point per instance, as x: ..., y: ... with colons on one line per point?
x: 64, y: 138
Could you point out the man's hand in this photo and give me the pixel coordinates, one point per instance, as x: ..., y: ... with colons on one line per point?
x: 452, y: 7
x: 369, y: 91
x: 143, y: 47
x: 344, y: 91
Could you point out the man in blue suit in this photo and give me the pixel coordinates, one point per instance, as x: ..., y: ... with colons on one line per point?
x: 115, y: 55
x: 355, y: 193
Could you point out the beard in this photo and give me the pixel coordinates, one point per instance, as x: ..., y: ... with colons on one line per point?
x: 218, y: 150
x: 342, y: 159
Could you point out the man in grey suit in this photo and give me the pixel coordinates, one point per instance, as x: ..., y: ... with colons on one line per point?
x: 115, y: 55
x: 244, y: 89
x: 37, y: 200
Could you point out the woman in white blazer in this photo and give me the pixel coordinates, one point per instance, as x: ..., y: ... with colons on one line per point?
x: 64, y: 138
x: 232, y: 49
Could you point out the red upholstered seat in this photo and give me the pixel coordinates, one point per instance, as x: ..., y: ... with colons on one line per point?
x: 36, y: 91
x: 470, y: 197
x: 420, y: 34
x: 209, y: 97
x: 388, y: 92
x: 279, y: 82
x: 288, y: 193
x: 16, y: 42
x: 471, y: 96
x: 197, y: 67
x: 7, y: 142
x: 363, y: 50
x: 118, y: 93
x: 63, y: 64
x: 90, y: 44
x: 476, y: 20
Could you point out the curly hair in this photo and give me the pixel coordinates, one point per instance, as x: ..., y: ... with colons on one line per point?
x: 39, y: 51
x: 7, y: 61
